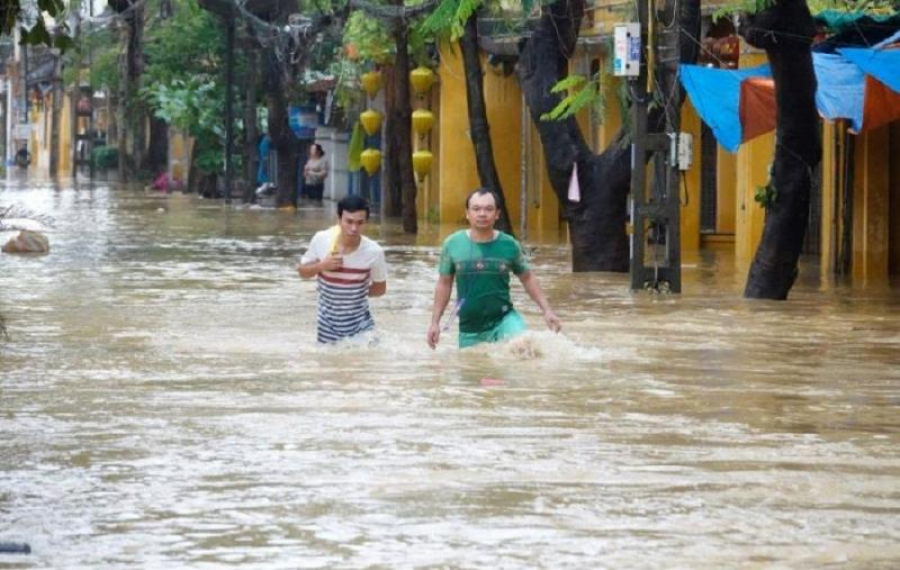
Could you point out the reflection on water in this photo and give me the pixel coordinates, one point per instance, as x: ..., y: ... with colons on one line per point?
x: 163, y: 404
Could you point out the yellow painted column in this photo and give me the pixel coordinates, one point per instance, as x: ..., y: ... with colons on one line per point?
x: 894, y: 185
x: 65, y: 136
x: 455, y: 158
x: 828, y: 236
x: 690, y: 196
x: 503, y: 99
x: 753, y: 162
x: 454, y: 153
x: 726, y: 188
x: 612, y: 116
x: 870, y: 208
x: 752, y: 170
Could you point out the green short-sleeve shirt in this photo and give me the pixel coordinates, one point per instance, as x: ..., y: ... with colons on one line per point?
x: 482, y: 277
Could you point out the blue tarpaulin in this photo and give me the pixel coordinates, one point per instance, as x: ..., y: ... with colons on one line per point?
x: 716, y: 95
x: 841, y: 92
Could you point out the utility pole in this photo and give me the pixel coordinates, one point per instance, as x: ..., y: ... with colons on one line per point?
x: 656, y: 207
x: 229, y: 106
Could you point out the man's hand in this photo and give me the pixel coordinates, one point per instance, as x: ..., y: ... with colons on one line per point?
x: 434, y: 335
x: 333, y: 262
x: 553, y: 322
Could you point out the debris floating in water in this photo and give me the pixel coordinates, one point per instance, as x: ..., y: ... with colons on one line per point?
x: 488, y: 382
x: 15, y: 548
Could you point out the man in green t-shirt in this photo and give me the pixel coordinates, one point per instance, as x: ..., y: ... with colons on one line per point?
x: 481, y: 259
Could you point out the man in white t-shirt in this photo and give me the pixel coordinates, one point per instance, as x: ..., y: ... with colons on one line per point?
x: 350, y: 268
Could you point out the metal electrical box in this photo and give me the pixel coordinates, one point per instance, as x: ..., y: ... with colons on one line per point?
x: 627, y: 50
x: 681, y: 150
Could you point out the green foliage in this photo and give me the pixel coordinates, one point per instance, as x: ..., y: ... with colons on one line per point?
x: 741, y: 7
x: 766, y: 195
x: 371, y: 38
x: 106, y: 157
x: 872, y: 7
x: 196, y: 106
x: 450, y: 17
x: 190, y: 43
x: 33, y: 19
x: 582, y: 93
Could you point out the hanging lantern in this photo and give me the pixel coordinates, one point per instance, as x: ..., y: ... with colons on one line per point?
x: 422, y: 121
x: 371, y: 121
x: 371, y: 82
x: 371, y: 160
x: 422, y: 79
x: 422, y: 163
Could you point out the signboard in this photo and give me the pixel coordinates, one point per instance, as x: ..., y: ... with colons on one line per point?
x: 303, y: 121
x: 627, y: 50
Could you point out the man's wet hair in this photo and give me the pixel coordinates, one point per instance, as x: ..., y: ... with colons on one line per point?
x: 481, y: 192
x: 352, y: 204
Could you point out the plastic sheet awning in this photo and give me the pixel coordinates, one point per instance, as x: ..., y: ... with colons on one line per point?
x: 861, y: 85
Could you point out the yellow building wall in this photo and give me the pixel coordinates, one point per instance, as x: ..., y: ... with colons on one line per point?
x: 894, y: 184
x: 455, y: 158
x: 689, y: 186
x: 871, y: 208
x: 830, y: 192
x: 752, y: 170
x: 65, y: 137
x: 726, y: 189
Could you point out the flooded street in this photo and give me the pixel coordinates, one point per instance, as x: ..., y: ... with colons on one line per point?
x: 164, y: 404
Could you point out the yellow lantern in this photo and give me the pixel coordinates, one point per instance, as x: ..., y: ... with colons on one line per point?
x: 422, y: 121
x: 371, y: 121
x: 371, y: 82
x: 422, y: 162
x: 422, y: 79
x: 371, y: 160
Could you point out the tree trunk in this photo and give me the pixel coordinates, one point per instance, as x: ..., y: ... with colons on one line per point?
x: 402, y: 128
x: 391, y: 196
x: 785, y: 31
x: 478, y: 122
x: 597, y: 222
x: 251, y: 134
x: 157, y: 158
x: 131, y: 156
x: 55, y: 117
x: 283, y: 141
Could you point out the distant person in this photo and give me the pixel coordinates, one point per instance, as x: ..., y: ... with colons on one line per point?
x: 481, y: 259
x: 262, y: 173
x: 315, y: 171
x: 350, y: 268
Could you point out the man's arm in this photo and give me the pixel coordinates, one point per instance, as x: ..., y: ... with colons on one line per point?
x: 441, y: 297
x: 377, y: 288
x: 529, y: 281
x: 309, y: 270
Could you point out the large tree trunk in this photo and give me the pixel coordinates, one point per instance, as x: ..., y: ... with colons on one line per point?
x: 391, y: 189
x: 131, y: 156
x: 402, y: 128
x: 785, y: 31
x: 55, y: 117
x: 157, y: 158
x: 284, y: 142
x: 597, y: 222
x: 478, y: 122
x: 251, y: 133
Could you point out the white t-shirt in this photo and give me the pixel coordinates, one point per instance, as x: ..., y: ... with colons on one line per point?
x: 344, y: 294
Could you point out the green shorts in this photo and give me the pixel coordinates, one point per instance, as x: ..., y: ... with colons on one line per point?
x: 509, y: 326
